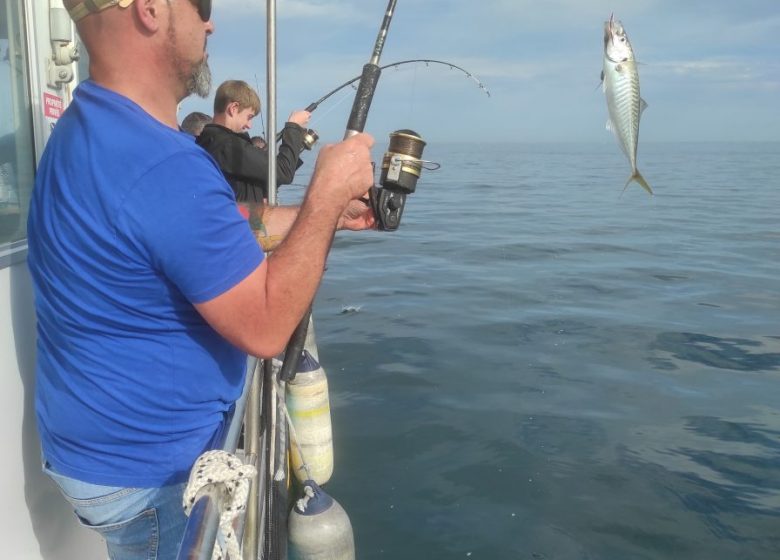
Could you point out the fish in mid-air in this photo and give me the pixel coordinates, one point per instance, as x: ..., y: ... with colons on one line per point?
x: 620, y: 80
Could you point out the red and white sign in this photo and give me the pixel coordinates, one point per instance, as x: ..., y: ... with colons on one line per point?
x: 52, y: 106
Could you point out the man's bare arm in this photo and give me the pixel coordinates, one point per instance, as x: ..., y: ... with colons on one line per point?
x: 259, y: 314
x: 270, y: 224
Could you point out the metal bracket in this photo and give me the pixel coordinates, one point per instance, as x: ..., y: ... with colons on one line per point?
x: 56, y: 75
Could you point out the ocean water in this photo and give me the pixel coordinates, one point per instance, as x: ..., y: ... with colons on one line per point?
x: 536, y: 367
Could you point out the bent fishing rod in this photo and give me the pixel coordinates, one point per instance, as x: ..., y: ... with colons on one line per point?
x: 311, y: 136
x: 312, y: 106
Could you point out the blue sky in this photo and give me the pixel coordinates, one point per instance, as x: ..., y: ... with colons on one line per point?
x: 710, y: 70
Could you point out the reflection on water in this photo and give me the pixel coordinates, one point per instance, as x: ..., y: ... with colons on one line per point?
x: 739, y: 354
x: 735, y: 462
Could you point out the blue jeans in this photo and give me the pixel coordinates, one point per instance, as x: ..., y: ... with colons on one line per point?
x: 136, y: 523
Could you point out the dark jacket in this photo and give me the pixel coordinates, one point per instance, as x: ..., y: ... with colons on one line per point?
x: 245, y: 166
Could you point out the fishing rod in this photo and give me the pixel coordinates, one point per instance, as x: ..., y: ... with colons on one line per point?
x: 272, y: 518
x: 400, y: 169
x: 427, y: 61
x: 355, y: 124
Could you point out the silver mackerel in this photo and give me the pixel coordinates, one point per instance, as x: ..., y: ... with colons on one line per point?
x: 620, y: 80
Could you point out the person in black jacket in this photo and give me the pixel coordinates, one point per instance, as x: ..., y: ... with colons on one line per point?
x: 244, y: 165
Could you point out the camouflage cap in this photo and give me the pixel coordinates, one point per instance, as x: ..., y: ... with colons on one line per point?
x: 86, y: 7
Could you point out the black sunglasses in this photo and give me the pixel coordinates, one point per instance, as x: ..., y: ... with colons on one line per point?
x: 204, y: 8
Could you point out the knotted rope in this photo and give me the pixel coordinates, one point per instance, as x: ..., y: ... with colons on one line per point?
x: 227, y: 479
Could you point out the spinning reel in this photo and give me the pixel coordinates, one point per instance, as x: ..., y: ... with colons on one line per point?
x: 310, y: 138
x: 401, y: 167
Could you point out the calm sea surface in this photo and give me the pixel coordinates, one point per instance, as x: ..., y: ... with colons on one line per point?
x: 536, y: 367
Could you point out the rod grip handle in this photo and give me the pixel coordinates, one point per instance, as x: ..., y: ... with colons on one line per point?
x: 363, y: 97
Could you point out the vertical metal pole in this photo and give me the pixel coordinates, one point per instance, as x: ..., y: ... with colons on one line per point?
x: 254, y: 514
x: 254, y: 408
x: 252, y: 450
x: 270, y: 55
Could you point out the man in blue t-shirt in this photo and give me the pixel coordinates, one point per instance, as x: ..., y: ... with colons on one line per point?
x: 150, y: 287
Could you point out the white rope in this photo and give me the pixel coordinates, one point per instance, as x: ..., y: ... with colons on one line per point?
x: 303, y: 503
x: 227, y: 479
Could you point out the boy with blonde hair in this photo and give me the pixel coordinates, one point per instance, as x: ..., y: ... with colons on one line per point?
x: 244, y: 165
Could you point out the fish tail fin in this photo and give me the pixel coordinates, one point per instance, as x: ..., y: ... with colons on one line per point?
x: 637, y: 176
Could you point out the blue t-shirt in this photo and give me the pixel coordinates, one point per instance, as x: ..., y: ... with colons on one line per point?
x: 130, y: 224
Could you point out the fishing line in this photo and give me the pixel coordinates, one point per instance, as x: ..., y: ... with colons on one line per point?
x: 333, y: 106
x: 412, y: 93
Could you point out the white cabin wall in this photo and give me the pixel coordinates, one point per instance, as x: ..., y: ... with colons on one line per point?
x: 36, y: 522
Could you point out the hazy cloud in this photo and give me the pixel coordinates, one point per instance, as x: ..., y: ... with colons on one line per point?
x: 713, y: 61
x: 738, y: 73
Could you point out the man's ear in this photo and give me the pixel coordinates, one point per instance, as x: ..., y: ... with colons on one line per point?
x: 149, y: 13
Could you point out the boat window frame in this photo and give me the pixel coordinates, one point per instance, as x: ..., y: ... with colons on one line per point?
x: 15, y: 250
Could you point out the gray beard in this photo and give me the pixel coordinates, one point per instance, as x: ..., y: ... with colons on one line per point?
x: 199, y: 81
